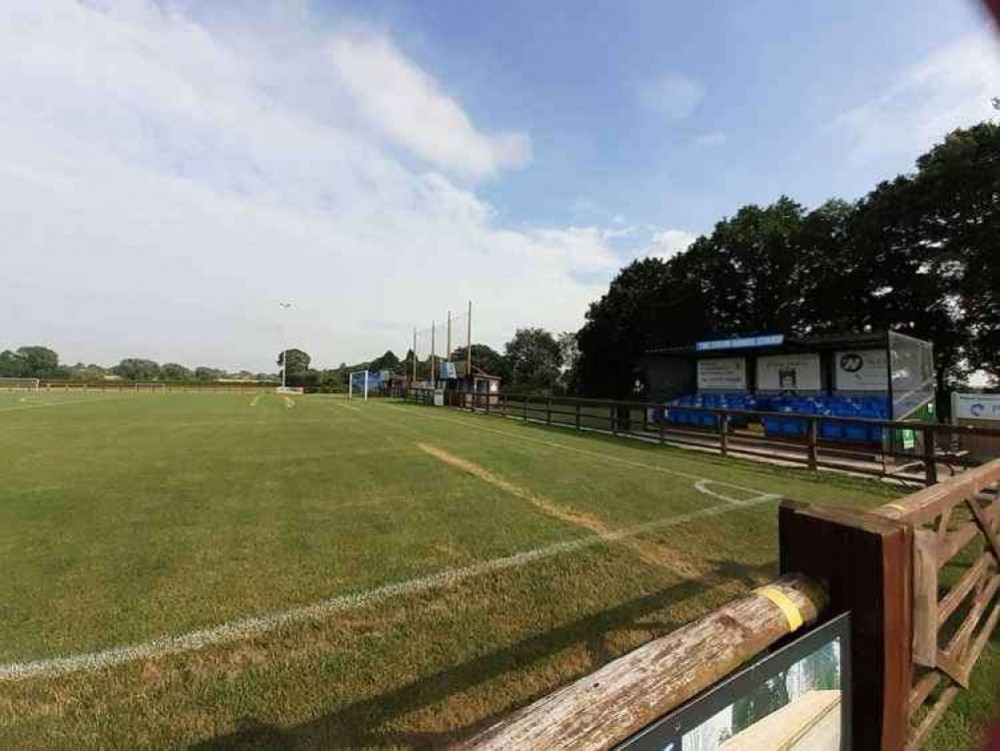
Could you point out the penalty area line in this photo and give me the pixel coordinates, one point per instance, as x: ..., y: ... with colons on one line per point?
x: 250, y: 627
x: 700, y: 483
x: 62, y: 404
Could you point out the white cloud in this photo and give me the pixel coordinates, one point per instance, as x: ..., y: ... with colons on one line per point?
x: 950, y: 89
x: 162, y: 187
x: 710, y: 140
x: 672, y: 96
x: 668, y: 242
x: 408, y: 105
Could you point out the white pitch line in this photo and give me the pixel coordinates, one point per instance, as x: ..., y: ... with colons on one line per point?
x: 245, y: 628
x: 698, y: 479
x: 61, y: 404
x: 253, y: 402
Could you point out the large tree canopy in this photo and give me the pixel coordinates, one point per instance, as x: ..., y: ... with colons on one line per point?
x: 31, y: 362
x: 486, y: 359
x: 137, y: 369
x: 298, y: 361
x: 535, y: 360
x: 917, y: 254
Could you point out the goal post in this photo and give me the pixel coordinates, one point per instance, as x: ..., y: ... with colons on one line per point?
x: 19, y: 384
x: 350, y: 383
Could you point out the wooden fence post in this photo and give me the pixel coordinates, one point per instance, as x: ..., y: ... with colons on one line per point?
x: 548, y: 411
x: 724, y: 433
x: 930, y: 458
x: 526, y: 400
x: 867, y: 567
x: 811, y: 443
x: 578, y: 415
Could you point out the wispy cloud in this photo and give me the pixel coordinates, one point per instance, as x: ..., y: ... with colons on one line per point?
x: 672, y: 96
x: 164, y: 185
x: 409, y: 106
x: 710, y: 140
x: 668, y: 242
x: 950, y: 89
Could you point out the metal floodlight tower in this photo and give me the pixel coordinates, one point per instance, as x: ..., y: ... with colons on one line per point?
x: 284, y: 351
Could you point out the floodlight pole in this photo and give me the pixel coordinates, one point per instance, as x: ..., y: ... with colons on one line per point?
x: 284, y: 352
x: 447, y: 352
x: 366, y: 384
x: 433, y: 324
x: 468, y: 347
x: 414, y: 350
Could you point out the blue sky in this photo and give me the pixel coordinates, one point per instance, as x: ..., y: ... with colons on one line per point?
x: 170, y: 171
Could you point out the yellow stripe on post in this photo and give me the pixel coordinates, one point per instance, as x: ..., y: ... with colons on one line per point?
x: 785, y: 605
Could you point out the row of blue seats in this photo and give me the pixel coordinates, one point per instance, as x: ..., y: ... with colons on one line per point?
x: 867, y: 407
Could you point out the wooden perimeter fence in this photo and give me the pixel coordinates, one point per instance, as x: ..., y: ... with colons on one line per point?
x: 935, y: 447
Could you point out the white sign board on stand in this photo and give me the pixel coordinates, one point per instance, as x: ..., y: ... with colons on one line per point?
x: 861, y: 370
x: 975, y: 406
x: 729, y: 373
x: 789, y: 373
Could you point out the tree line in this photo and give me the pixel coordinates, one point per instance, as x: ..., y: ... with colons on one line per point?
x: 37, y: 361
x: 919, y: 254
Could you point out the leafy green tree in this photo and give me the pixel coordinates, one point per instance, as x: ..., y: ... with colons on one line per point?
x: 570, y: 377
x: 635, y: 313
x: 207, y: 374
x: 88, y: 373
x: 40, y: 362
x: 12, y: 365
x: 171, y: 371
x: 137, y: 369
x: 486, y: 359
x: 535, y: 360
x: 388, y: 361
x: 298, y: 365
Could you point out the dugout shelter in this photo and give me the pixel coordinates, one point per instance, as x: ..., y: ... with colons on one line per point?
x: 876, y: 375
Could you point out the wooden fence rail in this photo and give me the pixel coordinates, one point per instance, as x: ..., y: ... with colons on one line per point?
x: 956, y: 577
x: 621, y: 418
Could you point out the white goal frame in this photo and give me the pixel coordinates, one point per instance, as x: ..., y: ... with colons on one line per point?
x: 19, y: 384
x: 350, y: 383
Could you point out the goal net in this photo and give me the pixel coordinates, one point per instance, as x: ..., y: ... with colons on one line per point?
x: 19, y: 384
x: 440, y: 351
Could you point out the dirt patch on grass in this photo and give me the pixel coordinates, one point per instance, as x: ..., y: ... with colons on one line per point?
x: 650, y: 552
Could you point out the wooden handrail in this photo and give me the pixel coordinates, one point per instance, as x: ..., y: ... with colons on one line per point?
x: 931, y: 502
x: 608, y: 706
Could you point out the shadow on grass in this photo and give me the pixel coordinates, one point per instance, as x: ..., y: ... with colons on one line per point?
x: 359, y: 723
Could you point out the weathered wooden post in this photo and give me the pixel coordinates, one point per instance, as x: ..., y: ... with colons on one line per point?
x: 812, y: 439
x: 865, y: 561
x: 608, y: 706
x: 930, y: 456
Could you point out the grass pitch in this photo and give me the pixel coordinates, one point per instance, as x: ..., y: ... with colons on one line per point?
x: 223, y: 571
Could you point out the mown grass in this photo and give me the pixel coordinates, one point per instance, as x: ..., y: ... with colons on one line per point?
x: 124, y: 518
